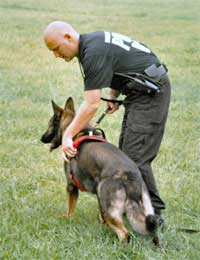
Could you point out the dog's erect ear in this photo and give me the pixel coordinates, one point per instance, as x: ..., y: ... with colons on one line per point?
x: 69, y: 104
x: 56, y: 109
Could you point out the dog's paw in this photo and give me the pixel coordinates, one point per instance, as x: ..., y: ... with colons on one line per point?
x: 65, y: 217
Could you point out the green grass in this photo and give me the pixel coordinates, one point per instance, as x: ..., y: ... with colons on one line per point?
x: 32, y: 183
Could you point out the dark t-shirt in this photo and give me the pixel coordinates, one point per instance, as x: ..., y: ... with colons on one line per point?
x: 102, y: 54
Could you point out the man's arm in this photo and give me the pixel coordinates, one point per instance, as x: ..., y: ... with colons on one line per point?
x: 83, y: 116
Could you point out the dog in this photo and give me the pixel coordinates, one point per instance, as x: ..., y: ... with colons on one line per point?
x: 103, y: 169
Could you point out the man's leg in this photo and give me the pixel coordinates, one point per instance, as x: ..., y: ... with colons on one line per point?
x: 142, y: 149
x: 148, y: 177
x: 142, y: 132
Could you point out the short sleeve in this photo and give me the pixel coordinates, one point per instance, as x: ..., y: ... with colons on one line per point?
x: 98, y: 72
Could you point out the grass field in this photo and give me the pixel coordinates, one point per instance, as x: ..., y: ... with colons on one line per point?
x: 32, y: 183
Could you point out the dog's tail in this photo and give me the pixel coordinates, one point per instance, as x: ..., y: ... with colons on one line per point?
x: 150, y: 220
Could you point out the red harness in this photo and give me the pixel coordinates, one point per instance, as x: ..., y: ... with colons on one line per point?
x: 76, y: 145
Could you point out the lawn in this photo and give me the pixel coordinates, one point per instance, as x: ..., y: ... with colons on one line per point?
x: 32, y: 182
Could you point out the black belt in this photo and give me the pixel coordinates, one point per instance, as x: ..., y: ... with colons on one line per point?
x: 147, y: 82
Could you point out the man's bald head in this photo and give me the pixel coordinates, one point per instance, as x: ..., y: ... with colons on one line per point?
x: 57, y: 29
x: 61, y: 38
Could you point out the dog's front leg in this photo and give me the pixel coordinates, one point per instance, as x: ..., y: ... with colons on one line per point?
x: 72, y: 197
x: 72, y: 191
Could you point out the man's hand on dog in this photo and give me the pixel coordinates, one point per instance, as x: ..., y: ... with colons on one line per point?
x: 68, y: 150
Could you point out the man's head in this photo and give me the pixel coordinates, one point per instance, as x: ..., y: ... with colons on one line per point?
x: 62, y: 39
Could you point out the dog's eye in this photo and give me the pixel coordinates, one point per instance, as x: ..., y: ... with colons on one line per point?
x: 50, y: 122
x: 56, y: 120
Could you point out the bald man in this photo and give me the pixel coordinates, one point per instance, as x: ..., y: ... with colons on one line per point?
x: 109, y: 60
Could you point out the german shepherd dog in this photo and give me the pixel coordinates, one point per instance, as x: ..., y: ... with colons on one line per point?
x: 102, y: 169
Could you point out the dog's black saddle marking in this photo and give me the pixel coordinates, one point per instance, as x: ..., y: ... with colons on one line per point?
x: 76, y: 144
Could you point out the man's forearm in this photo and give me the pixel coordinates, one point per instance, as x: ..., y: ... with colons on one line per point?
x: 84, y: 114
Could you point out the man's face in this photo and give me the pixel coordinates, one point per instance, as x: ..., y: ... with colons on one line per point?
x: 62, y: 47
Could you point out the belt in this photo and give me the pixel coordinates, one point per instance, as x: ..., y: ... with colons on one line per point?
x: 148, y: 82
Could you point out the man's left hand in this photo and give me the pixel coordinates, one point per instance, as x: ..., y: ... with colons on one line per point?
x: 67, y: 147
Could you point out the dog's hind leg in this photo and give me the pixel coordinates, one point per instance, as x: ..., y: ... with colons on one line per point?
x: 136, y: 217
x: 112, y: 197
x: 117, y: 225
x: 144, y: 225
x: 141, y: 216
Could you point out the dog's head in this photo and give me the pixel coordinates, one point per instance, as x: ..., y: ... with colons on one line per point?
x: 58, y: 123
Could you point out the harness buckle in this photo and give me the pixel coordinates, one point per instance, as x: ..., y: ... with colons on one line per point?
x: 91, y: 133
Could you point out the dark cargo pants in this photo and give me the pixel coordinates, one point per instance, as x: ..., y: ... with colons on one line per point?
x: 142, y: 132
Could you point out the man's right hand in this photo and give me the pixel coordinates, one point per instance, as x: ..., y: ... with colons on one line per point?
x: 112, y: 107
x: 113, y: 94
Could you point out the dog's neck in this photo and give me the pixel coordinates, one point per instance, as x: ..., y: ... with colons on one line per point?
x: 86, y: 131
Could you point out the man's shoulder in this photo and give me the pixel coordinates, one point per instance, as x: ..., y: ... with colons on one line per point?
x: 93, y: 36
x: 94, y: 44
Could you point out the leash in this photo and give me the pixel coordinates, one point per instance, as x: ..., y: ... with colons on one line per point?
x: 119, y: 102
x: 101, y: 117
x: 188, y: 230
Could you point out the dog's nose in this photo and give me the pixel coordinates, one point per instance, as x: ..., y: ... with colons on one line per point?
x: 47, y: 138
x: 42, y: 139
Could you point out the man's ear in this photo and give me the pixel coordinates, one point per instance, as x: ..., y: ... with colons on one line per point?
x: 56, y: 109
x: 69, y: 105
x: 67, y: 36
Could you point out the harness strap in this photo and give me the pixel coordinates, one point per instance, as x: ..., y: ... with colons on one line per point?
x: 83, y: 138
x: 76, y: 182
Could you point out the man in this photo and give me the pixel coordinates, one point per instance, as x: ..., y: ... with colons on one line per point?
x: 112, y: 60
